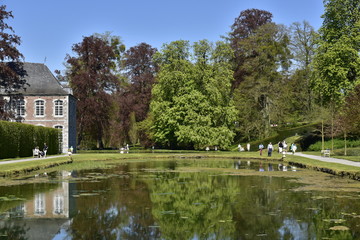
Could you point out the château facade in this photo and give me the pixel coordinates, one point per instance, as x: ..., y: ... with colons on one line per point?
x: 47, y: 103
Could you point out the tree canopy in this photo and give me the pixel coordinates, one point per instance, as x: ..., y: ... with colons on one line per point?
x: 11, y: 67
x: 191, y: 106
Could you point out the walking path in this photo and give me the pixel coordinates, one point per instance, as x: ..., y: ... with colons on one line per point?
x: 30, y: 159
x: 329, y: 159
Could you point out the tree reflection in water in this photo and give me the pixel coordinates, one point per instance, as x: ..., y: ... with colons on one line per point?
x: 196, y: 199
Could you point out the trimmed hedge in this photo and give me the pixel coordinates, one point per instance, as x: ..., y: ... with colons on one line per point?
x: 19, y: 139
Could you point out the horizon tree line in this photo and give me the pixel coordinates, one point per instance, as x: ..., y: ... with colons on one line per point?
x: 190, y: 96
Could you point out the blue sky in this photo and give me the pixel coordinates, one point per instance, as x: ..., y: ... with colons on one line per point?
x: 49, y: 28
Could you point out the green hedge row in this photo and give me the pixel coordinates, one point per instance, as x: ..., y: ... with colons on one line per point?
x: 19, y: 140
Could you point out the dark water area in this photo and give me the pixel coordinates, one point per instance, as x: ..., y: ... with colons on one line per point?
x: 179, y: 199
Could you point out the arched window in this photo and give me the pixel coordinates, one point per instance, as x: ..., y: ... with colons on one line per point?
x: 39, y: 108
x: 58, y: 108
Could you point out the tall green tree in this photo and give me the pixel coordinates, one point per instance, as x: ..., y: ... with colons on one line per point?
x: 337, y: 60
x: 302, y: 46
x: 11, y: 67
x: 91, y: 75
x: 261, y: 96
x: 191, y: 106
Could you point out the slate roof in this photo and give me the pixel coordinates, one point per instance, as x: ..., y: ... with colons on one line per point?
x: 41, y: 81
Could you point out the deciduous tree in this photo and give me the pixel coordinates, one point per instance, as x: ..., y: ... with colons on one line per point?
x: 337, y: 60
x: 244, y: 26
x: 191, y: 106
x: 11, y: 67
x: 92, y: 78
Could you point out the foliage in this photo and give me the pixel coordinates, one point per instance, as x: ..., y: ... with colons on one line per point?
x: 133, y: 132
x: 134, y: 96
x: 285, y: 133
x: 245, y: 26
x: 338, y: 144
x: 262, y: 95
x: 337, y: 61
x: 191, y: 105
x: 348, y: 119
x: 302, y: 45
x: 11, y: 67
x: 92, y: 78
x: 18, y: 139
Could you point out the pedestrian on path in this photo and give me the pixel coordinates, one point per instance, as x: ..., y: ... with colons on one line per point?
x: 261, y: 147
x: 269, y: 149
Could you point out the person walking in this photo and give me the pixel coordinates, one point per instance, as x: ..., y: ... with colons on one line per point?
x: 261, y: 147
x: 269, y: 149
x: 45, y: 148
x: 293, y: 148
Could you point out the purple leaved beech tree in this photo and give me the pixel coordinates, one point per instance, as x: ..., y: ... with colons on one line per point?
x: 93, y: 81
x: 244, y: 26
x: 134, y: 99
x: 11, y: 67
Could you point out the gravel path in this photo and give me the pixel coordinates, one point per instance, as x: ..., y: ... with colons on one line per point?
x: 30, y: 159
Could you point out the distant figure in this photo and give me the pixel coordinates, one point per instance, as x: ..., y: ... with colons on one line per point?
x: 248, y: 147
x: 293, y: 148
x: 45, y: 148
x: 215, y: 148
x: 37, y: 152
x: 207, y: 149
x: 284, y: 146
x: 270, y: 167
x: 269, y: 149
x: 261, y: 168
x: 280, y: 147
x: 70, y: 151
x: 239, y: 148
x: 261, y: 147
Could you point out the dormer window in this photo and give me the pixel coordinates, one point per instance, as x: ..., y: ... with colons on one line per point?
x: 39, y: 108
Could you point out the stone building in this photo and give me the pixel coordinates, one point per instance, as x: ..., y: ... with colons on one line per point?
x: 47, y: 103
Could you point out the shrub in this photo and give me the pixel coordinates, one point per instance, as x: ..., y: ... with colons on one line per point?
x: 338, y: 144
x: 18, y: 139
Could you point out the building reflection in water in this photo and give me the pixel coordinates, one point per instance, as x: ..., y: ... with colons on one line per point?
x: 46, y: 208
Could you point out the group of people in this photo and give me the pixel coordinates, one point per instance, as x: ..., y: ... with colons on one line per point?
x: 241, y: 149
x: 39, y: 153
x: 282, y: 148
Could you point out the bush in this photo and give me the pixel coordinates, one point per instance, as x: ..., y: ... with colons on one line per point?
x: 18, y: 139
x: 338, y: 144
x: 349, y: 152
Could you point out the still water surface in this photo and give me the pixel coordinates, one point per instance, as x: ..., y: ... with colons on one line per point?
x: 178, y: 199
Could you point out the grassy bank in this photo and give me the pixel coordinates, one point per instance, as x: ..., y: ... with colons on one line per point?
x: 93, y: 160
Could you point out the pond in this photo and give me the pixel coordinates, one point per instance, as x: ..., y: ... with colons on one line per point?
x: 181, y: 199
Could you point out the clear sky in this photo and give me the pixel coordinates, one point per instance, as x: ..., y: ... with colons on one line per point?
x: 49, y: 28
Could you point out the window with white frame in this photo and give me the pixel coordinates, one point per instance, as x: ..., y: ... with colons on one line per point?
x: 20, y: 108
x: 58, y: 108
x: 39, y: 108
x: 60, y: 136
x: 39, y: 204
x: 58, y: 204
